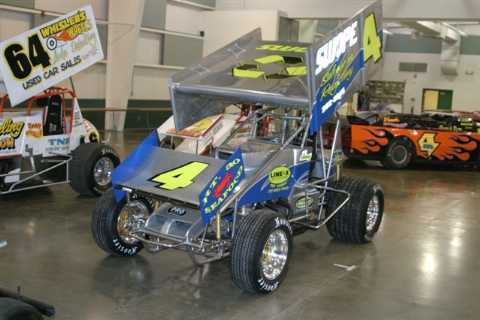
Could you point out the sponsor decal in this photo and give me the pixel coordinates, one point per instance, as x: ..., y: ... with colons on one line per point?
x: 427, y: 143
x: 177, y: 211
x: 34, y: 130
x: 278, y: 180
x: 222, y: 186
x: 58, y: 144
x: 305, y: 155
x: 46, y: 55
x: 302, y: 204
x: 226, y: 181
x: 336, y: 47
x: 10, y: 131
x: 68, y: 28
x: 279, y: 175
x: 338, y: 63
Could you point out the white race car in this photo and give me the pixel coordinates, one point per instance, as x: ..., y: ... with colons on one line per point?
x: 51, y: 143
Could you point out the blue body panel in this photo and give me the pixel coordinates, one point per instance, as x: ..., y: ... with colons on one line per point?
x: 128, y: 167
x: 325, y: 103
x: 264, y: 190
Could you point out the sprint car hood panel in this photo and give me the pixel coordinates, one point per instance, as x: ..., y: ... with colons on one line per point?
x: 164, y: 160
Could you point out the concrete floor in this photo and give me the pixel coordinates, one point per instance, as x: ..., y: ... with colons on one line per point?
x: 422, y: 265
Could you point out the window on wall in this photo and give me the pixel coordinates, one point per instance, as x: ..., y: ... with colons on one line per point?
x: 437, y: 100
x: 412, y: 67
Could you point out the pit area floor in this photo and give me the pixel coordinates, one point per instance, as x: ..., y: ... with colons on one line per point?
x: 423, y: 264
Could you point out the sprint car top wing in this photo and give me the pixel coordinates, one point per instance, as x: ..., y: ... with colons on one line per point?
x: 316, y: 77
x: 246, y: 70
x: 44, y: 56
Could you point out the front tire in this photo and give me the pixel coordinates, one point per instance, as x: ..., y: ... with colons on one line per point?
x: 262, y: 247
x: 91, y: 168
x: 359, y: 220
x: 105, y: 227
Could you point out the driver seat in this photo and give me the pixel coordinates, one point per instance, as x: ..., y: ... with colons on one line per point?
x: 53, y: 123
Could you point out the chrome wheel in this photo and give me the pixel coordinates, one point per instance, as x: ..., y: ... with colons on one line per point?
x: 132, y: 217
x: 102, y: 172
x: 274, y: 254
x: 373, y: 212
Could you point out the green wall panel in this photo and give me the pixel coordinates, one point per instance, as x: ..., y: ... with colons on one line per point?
x: 470, y: 45
x: 142, y: 119
x: 403, y: 43
x: 326, y: 26
x: 134, y: 119
x: 97, y: 118
x: 19, y: 3
x: 406, y: 44
x: 210, y: 3
x: 181, y: 51
x: 103, y: 34
x: 154, y: 14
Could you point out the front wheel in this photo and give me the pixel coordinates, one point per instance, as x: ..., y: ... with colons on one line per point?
x: 359, y: 220
x: 262, y: 247
x: 113, y: 221
x: 399, y: 155
x: 91, y: 168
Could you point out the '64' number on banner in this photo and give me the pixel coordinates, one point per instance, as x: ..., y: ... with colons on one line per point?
x: 23, y: 60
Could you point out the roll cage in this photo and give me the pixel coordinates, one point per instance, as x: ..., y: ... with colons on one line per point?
x: 63, y: 114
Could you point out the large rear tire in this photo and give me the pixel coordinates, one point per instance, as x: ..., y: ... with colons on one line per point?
x: 106, y: 219
x: 359, y: 220
x: 262, y: 247
x: 399, y: 155
x: 91, y: 168
x: 11, y: 309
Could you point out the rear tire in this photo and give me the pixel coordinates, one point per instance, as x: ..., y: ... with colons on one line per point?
x: 259, y: 237
x: 104, y: 227
x: 399, y: 155
x: 359, y: 220
x: 86, y: 158
x: 11, y: 309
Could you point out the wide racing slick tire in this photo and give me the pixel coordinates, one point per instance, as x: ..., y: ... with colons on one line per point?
x: 261, y: 251
x: 11, y: 309
x: 91, y: 168
x: 399, y: 155
x: 359, y: 220
x: 105, y: 227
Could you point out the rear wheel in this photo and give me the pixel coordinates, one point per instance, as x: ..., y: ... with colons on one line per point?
x: 261, y: 250
x: 399, y: 155
x: 91, y: 168
x: 359, y: 220
x: 113, y: 221
x: 11, y: 309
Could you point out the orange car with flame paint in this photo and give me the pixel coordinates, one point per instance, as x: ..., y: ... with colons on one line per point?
x: 398, y: 140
